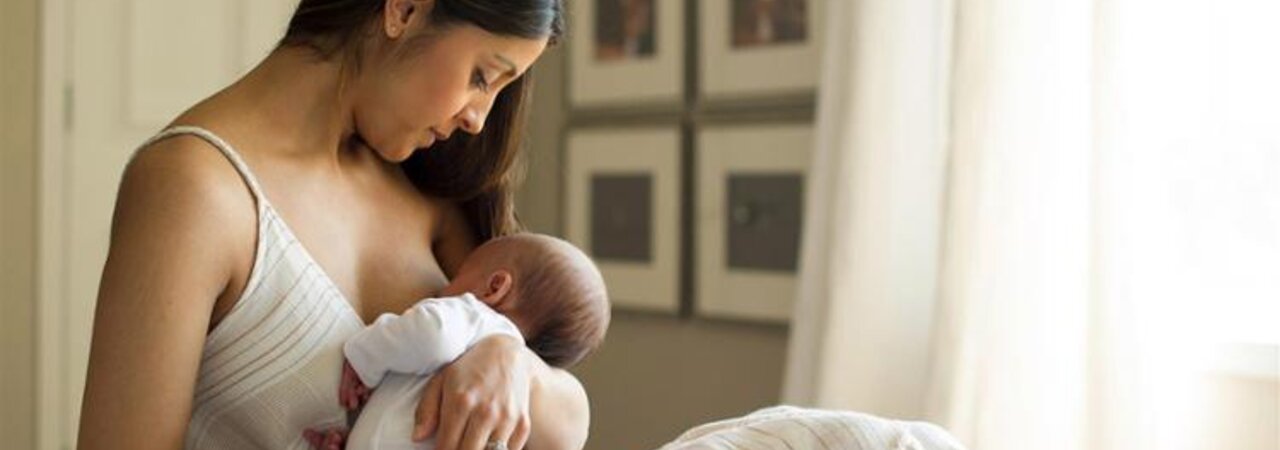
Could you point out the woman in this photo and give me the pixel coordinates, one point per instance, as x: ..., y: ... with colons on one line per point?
x: 344, y: 177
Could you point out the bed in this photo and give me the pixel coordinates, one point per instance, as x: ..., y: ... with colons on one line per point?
x: 793, y: 428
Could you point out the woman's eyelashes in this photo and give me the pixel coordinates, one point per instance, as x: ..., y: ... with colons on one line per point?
x: 478, y: 80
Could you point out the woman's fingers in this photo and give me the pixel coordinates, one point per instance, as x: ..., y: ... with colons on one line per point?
x: 484, y: 393
x: 470, y: 424
x: 454, y: 416
x: 506, y: 422
x: 427, y: 416
x: 520, y: 436
x: 479, y: 430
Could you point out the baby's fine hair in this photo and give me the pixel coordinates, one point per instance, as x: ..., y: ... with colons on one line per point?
x: 563, y: 299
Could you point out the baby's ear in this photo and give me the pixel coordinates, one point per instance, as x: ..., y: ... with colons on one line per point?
x: 497, y: 287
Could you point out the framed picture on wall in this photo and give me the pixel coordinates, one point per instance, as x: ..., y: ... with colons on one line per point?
x: 626, y: 52
x: 750, y: 206
x: 745, y: 43
x: 623, y: 208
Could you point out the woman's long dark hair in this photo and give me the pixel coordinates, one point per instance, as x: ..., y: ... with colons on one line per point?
x: 479, y: 172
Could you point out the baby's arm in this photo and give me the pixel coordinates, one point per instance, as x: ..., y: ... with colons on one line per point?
x: 422, y: 339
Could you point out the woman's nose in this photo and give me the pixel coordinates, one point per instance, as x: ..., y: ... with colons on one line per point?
x: 472, y: 121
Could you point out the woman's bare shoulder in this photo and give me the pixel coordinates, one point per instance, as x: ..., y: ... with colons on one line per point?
x: 176, y: 238
x: 188, y: 163
x: 184, y: 179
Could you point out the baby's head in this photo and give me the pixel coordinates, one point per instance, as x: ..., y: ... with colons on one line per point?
x: 548, y: 287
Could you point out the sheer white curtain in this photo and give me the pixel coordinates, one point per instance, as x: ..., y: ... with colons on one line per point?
x: 1027, y: 219
x: 869, y: 258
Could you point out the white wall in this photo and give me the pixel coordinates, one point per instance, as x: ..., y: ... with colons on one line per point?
x: 1245, y: 413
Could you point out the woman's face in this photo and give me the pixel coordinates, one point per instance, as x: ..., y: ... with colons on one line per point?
x: 424, y: 92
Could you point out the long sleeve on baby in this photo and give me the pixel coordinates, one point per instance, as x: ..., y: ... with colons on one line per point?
x: 424, y: 338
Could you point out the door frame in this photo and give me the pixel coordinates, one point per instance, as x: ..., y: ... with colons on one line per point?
x: 53, y: 428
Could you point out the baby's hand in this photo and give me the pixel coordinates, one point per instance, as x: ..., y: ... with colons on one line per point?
x: 332, y: 439
x: 352, y: 393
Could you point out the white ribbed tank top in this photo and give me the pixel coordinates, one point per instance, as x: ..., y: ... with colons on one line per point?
x: 271, y: 367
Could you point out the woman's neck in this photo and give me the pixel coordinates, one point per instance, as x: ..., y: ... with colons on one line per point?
x: 302, y: 105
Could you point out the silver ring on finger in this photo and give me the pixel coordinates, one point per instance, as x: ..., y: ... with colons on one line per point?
x: 496, y: 446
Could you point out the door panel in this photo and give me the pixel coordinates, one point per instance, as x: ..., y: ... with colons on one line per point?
x: 133, y: 66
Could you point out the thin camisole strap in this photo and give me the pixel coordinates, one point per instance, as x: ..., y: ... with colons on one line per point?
x: 219, y: 333
x: 227, y: 150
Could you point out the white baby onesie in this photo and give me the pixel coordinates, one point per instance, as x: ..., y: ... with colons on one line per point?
x: 398, y: 355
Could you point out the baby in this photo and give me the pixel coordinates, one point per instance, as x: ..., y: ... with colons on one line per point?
x: 532, y: 287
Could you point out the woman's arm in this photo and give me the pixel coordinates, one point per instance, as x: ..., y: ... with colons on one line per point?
x: 176, y: 233
x: 502, y: 391
x: 558, y: 407
x: 498, y: 390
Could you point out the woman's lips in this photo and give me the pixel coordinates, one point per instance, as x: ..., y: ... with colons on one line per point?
x: 434, y: 136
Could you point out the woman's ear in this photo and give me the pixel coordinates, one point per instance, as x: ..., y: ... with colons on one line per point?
x: 496, y: 287
x: 399, y: 14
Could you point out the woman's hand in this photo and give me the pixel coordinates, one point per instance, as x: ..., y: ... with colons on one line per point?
x: 481, y: 398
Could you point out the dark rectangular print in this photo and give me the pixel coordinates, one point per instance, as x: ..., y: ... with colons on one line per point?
x: 624, y: 29
x: 763, y: 224
x: 758, y: 23
x: 622, y: 217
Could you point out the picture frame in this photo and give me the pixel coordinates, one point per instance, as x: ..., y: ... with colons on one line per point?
x: 750, y: 196
x: 626, y: 52
x: 743, y: 44
x: 623, y: 209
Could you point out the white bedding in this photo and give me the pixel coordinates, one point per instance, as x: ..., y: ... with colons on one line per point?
x: 792, y: 428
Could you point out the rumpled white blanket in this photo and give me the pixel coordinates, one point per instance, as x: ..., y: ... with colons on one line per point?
x: 792, y: 428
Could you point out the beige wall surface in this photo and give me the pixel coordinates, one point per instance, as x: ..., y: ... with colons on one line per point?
x: 539, y: 200
x: 655, y: 376
x: 17, y: 221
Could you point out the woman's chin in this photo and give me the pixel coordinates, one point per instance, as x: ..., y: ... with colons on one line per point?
x: 399, y: 153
